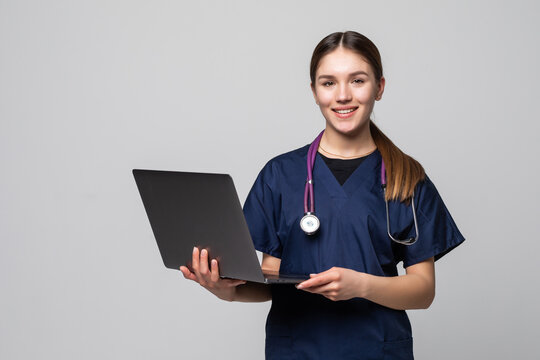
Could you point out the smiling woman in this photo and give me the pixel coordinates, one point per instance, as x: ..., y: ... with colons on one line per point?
x: 352, y: 306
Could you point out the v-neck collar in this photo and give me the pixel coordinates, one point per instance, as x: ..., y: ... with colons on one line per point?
x: 364, y: 172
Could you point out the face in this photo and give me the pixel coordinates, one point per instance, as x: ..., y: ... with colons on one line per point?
x: 345, y: 89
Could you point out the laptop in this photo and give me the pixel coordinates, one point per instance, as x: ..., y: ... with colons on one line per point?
x: 189, y: 209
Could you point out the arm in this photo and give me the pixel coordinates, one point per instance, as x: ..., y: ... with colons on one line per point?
x: 207, y: 275
x: 415, y: 290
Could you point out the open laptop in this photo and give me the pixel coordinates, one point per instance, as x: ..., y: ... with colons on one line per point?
x: 198, y: 209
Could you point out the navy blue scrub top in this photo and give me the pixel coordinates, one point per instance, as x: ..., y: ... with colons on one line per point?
x: 301, y: 325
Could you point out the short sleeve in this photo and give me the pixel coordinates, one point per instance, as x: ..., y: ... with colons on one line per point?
x: 438, y: 233
x: 261, y: 210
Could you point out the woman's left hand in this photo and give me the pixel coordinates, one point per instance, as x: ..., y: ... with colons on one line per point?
x: 336, y: 284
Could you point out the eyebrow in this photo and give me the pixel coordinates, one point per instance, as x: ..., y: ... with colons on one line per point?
x: 351, y: 74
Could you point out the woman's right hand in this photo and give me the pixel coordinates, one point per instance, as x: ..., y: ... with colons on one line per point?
x: 208, y: 276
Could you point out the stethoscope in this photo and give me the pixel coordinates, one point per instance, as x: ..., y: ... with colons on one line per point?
x: 310, y: 222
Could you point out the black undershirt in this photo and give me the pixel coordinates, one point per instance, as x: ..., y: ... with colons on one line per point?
x: 341, y: 168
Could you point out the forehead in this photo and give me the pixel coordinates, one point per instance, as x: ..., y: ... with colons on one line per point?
x: 342, y: 62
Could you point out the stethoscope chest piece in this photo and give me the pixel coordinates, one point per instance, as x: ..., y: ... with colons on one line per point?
x: 310, y: 223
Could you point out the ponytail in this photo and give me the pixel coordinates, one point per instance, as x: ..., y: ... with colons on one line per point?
x: 402, y: 171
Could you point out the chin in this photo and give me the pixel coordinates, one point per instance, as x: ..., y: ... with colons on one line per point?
x: 347, y: 129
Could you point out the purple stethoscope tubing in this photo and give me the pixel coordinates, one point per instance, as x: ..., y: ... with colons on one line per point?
x: 309, y: 201
x: 308, y: 192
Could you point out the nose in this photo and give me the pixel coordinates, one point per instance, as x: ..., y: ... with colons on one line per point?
x: 343, y: 93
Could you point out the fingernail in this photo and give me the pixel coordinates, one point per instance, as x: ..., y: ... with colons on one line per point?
x: 299, y: 286
x: 194, y: 249
x: 203, y: 252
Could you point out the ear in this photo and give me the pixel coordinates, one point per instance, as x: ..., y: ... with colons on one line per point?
x: 314, y: 93
x: 380, y: 91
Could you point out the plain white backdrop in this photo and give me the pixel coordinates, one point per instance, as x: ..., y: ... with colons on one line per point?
x: 91, y: 89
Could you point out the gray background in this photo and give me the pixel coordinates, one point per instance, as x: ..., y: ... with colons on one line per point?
x: 91, y: 89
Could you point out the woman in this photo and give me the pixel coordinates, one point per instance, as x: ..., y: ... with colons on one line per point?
x: 352, y: 307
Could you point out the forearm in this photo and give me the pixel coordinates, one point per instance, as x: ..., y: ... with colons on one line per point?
x: 252, y: 292
x: 411, y: 291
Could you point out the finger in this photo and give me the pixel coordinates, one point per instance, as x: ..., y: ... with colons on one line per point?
x: 331, y: 296
x: 315, y: 281
x: 331, y: 270
x: 203, y: 264
x: 214, y: 276
x: 214, y: 271
x: 322, y: 289
x: 195, y: 260
x: 187, y: 274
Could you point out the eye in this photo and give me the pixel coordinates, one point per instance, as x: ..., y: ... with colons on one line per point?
x: 328, y: 83
x: 358, y: 81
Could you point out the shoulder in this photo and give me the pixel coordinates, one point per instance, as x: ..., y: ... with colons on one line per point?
x: 430, y: 202
x: 278, y: 170
x: 285, y: 163
x: 426, y: 188
x: 290, y: 156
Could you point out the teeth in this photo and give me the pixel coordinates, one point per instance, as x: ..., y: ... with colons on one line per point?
x: 344, y: 111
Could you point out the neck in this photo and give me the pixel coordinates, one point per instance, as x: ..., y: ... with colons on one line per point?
x: 347, y: 145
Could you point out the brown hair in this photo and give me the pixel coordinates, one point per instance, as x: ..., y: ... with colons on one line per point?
x: 402, y: 171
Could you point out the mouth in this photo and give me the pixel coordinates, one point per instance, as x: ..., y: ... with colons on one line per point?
x: 345, y: 112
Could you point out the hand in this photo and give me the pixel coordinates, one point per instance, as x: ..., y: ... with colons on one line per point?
x: 209, y: 278
x: 336, y: 284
